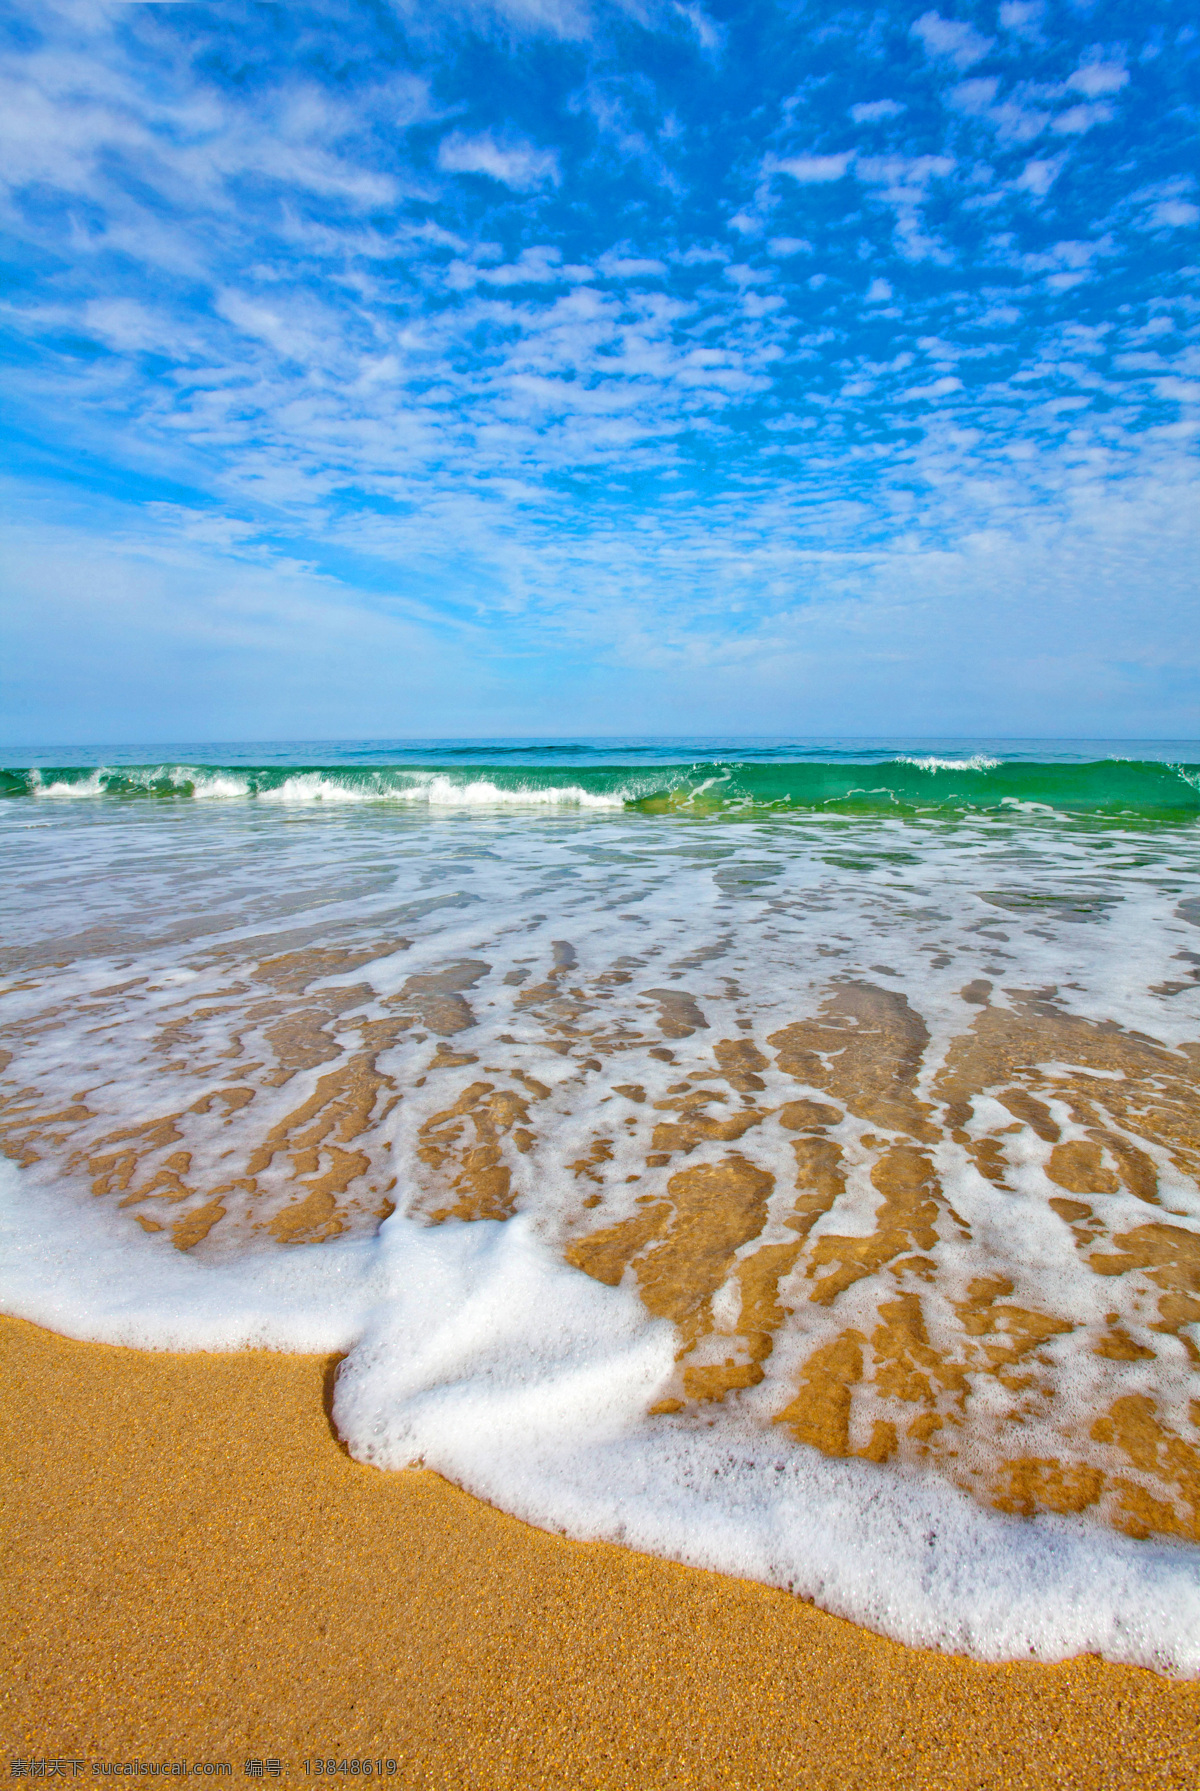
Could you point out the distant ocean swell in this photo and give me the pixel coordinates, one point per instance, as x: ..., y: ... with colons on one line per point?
x: 1137, y: 789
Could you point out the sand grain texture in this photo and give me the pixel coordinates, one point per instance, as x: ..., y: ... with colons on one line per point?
x: 196, y: 1568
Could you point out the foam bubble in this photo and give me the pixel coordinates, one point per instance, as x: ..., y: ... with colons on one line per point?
x: 210, y: 786
x: 977, y: 762
x: 474, y: 1350
x: 75, y: 1269
x: 91, y: 785
x: 435, y: 791
x: 277, y: 984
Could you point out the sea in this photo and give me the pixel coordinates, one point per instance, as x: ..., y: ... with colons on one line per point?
x: 782, y: 1156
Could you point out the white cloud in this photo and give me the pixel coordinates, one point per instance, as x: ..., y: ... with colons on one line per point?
x: 131, y: 327
x: 1038, y: 176
x: 1174, y: 214
x: 538, y: 266
x: 1078, y: 119
x: 619, y: 107
x: 411, y: 392
x: 975, y: 95
x: 620, y: 264
x: 1069, y: 263
x: 898, y: 171
x: 1022, y: 115
x: 1079, y: 254
x: 938, y: 388
x: 514, y: 161
x: 951, y: 39
x: 747, y: 223
x: 875, y: 111
x: 1022, y: 16
x: 1016, y: 121
x: 551, y: 18
x: 1095, y: 77
x: 812, y: 169
x: 711, y: 36
x: 902, y: 183
x: 282, y: 325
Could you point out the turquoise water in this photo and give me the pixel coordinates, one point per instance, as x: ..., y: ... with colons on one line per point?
x: 1133, y: 780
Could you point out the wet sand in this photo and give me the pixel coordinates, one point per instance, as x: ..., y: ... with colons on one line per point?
x: 196, y: 1569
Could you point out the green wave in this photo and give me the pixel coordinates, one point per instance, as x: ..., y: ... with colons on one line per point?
x: 1119, y: 788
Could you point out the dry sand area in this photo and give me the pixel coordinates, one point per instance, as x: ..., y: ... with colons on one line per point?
x: 196, y: 1568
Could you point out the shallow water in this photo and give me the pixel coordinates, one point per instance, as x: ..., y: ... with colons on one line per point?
x: 836, y: 1132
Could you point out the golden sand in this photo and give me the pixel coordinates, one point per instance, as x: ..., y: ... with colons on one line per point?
x: 196, y: 1569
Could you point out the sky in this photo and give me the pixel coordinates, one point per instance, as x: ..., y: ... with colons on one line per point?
x: 551, y: 366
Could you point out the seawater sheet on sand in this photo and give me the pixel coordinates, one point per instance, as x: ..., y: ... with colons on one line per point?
x: 781, y: 1193
x: 473, y: 1351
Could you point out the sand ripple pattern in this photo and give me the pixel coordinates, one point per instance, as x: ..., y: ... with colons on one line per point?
x: 897, y: 1123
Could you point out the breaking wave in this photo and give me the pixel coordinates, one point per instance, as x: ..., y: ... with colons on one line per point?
x: 901, y: 785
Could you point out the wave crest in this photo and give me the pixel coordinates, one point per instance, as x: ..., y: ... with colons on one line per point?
x: 909, y: 785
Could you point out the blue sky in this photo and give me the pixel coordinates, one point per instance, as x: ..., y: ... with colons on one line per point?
x: 549, y: 365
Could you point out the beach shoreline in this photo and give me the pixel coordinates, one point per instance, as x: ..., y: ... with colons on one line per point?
x: 197, y: 1569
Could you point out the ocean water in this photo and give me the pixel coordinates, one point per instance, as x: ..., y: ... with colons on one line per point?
x: 778, y: 1155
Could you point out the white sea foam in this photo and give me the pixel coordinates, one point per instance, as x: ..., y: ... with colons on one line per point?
x: 210, y: 786
x: 91, y: 785
x: 414, y: 789
x: 474, y: 1347
x: 75, y: 1269
x: 475, y: 1351
x: 977, y: 762
x: 436, y: 790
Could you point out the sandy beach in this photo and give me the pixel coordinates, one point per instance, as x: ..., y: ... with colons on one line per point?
x: 600, y: 917
x: 197, y: 1570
